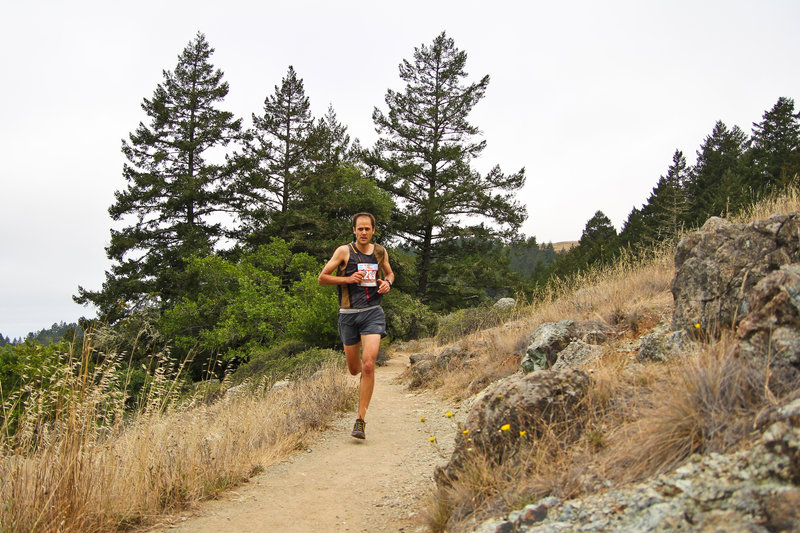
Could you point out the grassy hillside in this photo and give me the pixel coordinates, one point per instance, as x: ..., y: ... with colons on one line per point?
x: 639, y: 419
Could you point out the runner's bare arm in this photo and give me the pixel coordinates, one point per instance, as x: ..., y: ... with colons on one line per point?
x: 327, y: 276
x: 388, y: 275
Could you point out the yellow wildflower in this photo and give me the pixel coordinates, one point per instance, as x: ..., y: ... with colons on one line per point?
x: 448, y: 414
x: 505, y: 427
x: 697, y: 325
x: 466, y: 431
x: 432, y: 439
x: 523, y: 433
x: 422, y: 419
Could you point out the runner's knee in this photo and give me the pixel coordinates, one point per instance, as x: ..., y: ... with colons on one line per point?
x: 368, y: 367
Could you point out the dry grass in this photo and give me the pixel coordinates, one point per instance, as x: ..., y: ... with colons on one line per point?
x: 783, y: 203
x: 704, y: 403
x: 87, y: 472
x: 631, y: 295
x: 639, y: 419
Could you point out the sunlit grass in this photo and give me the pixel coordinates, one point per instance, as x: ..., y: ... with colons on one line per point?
x: 84, y: 464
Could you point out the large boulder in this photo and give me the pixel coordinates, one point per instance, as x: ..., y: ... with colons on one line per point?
x: 771, y: 328
x: 546, y: 341
x: 504, y: 303
x: 661, y: 345
x: 716, y: 266
x: 420, y: 372
x: 576, y: 354
x: 551, y: 338
x: 520, y: 403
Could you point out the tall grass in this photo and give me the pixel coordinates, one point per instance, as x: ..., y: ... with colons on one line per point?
x: 79, y: 462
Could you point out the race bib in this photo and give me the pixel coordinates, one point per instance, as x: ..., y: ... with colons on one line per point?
x: 370, y: 271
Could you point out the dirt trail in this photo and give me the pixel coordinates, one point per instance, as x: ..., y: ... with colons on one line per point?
x: 341, y: 483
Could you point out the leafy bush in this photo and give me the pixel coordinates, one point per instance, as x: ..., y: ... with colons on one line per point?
x: 465, y: 321
x: 240, y: 304
x: 313, y: 312
x: 407, y: 318
x: 26, y: 369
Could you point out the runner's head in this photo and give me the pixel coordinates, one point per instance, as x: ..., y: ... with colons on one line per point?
x: 370, y: 216
x: 363, y: 227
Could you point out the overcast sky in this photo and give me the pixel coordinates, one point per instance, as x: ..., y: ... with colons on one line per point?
x: 592, y: 98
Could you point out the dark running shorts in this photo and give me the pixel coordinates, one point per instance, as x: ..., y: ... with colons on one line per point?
x: 353, y: 325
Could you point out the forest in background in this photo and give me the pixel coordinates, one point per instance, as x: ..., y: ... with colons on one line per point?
x: 223, y: 228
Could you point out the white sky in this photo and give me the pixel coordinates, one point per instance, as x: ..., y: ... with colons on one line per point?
x: 592, y: 98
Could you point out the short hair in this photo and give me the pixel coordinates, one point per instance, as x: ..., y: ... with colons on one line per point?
x: 364, y: 214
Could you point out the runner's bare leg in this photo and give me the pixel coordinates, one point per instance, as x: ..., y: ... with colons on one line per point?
x: 369, y: 353
x: 353, y: 355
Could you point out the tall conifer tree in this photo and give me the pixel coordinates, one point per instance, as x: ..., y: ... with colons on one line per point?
x: 173, y: 189
x: 277, y: 157
x: 424, y: 154
x: 666, y: 208
x: 331, y: 189
x: 776, y: 146
x: 715, y: 184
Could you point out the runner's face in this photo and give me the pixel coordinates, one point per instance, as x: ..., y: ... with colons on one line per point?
x: 363, y: 230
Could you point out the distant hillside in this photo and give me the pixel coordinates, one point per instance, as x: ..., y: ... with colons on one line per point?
x: 562, y: 246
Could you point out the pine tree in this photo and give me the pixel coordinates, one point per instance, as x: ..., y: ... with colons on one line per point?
x: 665, y: 212
x: 332, y: 189
x: 173, y: 189
x: 277, y: 156
x: 598, y: 240
x: 776, y: 147
x: 715, y: 183
x: 633, y: 230
x: 424, y: 157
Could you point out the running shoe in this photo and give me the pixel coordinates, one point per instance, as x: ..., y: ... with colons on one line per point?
x: 358, y: 429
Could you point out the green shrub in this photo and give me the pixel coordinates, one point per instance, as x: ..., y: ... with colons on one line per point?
x: 407, y: 318
x: 313, y: 312
x: 465, y: 321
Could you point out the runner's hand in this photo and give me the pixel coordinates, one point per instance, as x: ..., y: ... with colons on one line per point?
x: 356, y: 277
x: 385, y: 286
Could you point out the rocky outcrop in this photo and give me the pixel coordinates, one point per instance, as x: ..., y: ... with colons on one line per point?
x: 576, y: 354
x: 661, y: 345
x: 551, y: 338
x: 743, y: 277
x: 718, y: 265
x: 753, y: 490
x: 771, y: 328
x: 503, y: 303
x: 517, y: 407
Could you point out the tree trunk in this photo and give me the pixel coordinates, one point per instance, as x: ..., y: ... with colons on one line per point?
x: 425, y: 263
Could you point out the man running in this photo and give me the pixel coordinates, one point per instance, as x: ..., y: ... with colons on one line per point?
x: 363, y: 276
